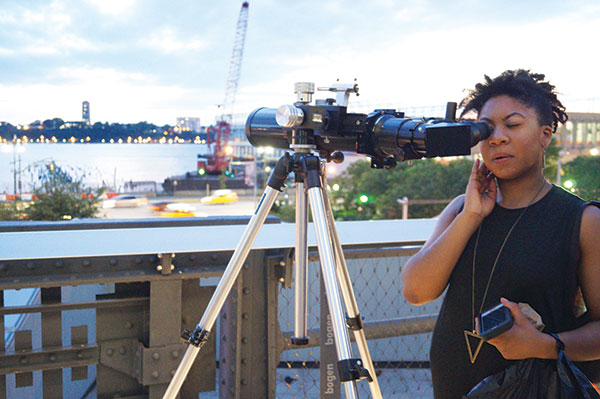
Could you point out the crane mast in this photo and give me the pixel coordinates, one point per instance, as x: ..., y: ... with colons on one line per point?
x: 235, y: 65
x: 218, y: 136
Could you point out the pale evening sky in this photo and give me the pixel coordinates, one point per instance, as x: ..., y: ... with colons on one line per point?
x: 151, y: 60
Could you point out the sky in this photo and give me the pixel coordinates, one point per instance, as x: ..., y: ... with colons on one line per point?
x: 153, y: 60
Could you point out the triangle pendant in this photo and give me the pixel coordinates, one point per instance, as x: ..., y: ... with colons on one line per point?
x: 468, y: 336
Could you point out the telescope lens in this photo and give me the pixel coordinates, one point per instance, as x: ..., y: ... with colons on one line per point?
x: 262, y: 129
x: 289, y: 116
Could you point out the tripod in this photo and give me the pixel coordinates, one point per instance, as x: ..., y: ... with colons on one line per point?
x: 310, y: 185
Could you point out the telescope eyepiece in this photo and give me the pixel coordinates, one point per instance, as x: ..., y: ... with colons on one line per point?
x: 480, y: 131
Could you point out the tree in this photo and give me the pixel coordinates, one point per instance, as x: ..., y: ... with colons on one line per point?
x: 366, y: 193
x: 362, y: 193
x: 9, y: 211
x: 584, y: 174
x: 7, y: 131
x: 62, y: 196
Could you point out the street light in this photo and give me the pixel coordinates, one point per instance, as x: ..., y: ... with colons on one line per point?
x: 570, y: 185
x: 17, y: 147
x: 363, y: 198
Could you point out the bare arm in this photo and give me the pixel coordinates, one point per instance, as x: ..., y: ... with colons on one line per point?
x: 425, y: 276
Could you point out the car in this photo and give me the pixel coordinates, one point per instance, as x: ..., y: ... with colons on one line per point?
x: 160, y: 205
x: 125, y: 201
x: 174, y: 209
x: 220, y: 197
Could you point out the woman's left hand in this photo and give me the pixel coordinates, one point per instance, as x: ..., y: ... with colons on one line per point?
x: 523, y: 340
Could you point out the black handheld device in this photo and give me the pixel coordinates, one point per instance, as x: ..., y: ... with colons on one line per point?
x: 494, y: 322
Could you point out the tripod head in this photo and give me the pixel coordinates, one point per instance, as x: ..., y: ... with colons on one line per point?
x: 384, y: 134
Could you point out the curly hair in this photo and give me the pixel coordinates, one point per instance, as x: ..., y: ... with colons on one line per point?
x: 524, y: 86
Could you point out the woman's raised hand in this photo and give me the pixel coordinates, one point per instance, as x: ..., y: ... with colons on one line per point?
x: 480, y: 196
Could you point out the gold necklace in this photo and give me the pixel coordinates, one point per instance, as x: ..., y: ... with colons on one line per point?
x: 473, y: 333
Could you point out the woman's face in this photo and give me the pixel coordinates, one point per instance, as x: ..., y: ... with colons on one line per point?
x: 517, y: 142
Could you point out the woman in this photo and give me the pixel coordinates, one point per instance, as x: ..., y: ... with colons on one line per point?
x: 511, y: 238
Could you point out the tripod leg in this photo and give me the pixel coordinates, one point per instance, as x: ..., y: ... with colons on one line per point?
x: 301, y: 264
x: 200, y: 333
x: 354, y: 318
x: 340, y: 332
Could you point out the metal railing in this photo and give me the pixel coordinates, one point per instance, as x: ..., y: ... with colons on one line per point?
x: 113, y: 297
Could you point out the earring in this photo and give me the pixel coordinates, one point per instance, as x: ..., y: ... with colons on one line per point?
x: 544, y: 159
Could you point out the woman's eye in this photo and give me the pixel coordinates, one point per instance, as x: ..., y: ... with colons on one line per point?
x: 512, y: 125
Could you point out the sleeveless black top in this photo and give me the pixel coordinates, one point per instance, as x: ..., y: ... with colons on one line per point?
x: 535, y: 267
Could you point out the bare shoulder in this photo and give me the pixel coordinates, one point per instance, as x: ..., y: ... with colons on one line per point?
x: 590, y: 225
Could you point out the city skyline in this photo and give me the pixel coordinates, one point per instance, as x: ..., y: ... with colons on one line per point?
x: 155, y: 62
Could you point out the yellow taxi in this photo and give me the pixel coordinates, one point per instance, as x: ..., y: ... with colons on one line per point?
x: 220, y: 197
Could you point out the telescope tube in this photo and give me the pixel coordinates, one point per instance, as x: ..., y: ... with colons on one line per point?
x: 381, y: 134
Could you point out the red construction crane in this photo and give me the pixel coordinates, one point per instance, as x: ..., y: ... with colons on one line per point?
x: 218, y: 136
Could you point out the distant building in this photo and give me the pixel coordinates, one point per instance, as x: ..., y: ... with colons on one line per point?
x: 187, y: 124
x: 85, y: 112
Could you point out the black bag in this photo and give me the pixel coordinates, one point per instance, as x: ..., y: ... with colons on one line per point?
x: 537, y: 379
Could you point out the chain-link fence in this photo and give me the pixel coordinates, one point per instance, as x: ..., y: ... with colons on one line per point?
x: 401, y: 363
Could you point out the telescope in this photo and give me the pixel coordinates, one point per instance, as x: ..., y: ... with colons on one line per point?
x: 385, y: 135
x: 327, y: 128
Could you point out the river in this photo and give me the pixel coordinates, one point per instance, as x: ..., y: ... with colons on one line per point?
x: 101, y: 164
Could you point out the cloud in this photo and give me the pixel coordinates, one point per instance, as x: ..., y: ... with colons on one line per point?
x: 30, y: 17
x: 113, y: 7
x: 59, y: 45
x: 115, y: 96
x: 6, y: 52
x: 84, y: 75
x: 174, y: 55
x: 7, y: 17
x: 167, y: 41
x: 434, y: 66
x: 59, y: 20
x: 43, y: 31
x: 411, y: 10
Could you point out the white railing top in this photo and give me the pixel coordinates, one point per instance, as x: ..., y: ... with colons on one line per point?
x: 153, y: 240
